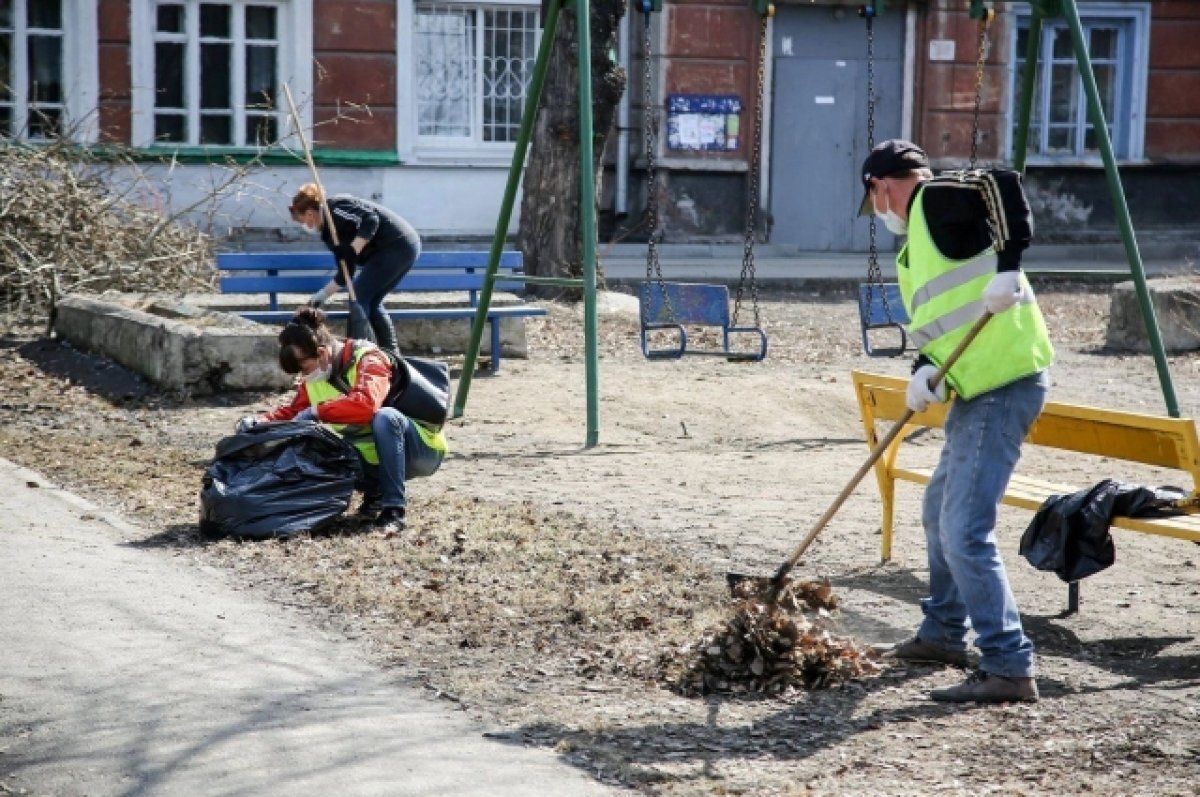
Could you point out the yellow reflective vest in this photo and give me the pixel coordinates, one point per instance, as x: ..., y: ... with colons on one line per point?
x: 321, y: 391
x: 944, y: 298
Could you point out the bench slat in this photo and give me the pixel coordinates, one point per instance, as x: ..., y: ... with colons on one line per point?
x: 1130, y: 436
x: 412, y: 282
x: 519, y: 311
x: 1029, y: 493
x: 307, y: 261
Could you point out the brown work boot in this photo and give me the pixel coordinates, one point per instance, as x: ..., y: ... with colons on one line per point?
x: 918, y: 650
x: 984, y: 687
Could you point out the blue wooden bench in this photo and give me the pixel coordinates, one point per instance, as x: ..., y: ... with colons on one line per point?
x: 880, y: 307
x: 672, y: 305
x: 274, y: 273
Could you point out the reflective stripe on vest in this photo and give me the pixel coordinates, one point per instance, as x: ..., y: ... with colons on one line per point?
x: 357, y: 435
x: 944, y: 298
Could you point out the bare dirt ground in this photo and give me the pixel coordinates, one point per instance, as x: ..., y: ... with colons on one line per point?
x: 547, y: 589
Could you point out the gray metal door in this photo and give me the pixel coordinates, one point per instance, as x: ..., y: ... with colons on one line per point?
x: 819, y: 123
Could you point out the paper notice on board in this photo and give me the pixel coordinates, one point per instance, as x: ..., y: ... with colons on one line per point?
x: 689, y: 130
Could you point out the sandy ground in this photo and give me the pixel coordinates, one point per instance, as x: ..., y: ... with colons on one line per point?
x: 704, y: 467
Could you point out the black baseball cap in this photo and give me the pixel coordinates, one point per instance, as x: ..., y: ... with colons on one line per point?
x: 889, y: 157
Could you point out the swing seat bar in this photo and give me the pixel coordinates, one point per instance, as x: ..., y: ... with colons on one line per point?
x: 880, y: 307
x: 674, y: 305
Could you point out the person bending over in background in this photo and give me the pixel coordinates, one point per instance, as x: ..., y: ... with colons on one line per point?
x: 373, y: 241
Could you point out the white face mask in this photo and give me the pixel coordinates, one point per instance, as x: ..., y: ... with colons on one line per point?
x: 895, y: 224
x: 309, y: 230
x: 319, y: 374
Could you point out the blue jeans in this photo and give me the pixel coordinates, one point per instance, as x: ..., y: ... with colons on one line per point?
x: 377, y: 276
x: 968, y: 586
x: 403, y: 455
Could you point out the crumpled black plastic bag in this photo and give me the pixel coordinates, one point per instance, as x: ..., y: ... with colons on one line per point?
x: 277, y: 479
x: 1069, y: 534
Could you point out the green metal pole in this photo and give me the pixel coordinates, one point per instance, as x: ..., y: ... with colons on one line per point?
x: 1033, y: 49
x: 1096, y: 112
x: 587, y: 211
x: 506, y: 206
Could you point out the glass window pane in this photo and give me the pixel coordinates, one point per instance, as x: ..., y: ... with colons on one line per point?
x: 216, y: 129
x: 1061, y: 139
x: 168, y: 75
x: 214, y: 20
x: 1106, y: 82
x: 1062, y: 43
x: 1064, y: 94
x: 169, y: 127
x: 45, y: 69
x: 44, y: 122
x: 6, y: 66
x: 44, y: 14
x: 215, y: 75
x: 445, y: 72
x: 260, y: 22
x: 5, y: 121
x: 260, y: 77
x: 261, y: 130
x: 5, y: 13
x: 507, y: 66
x: 170, y: 19
x: 1103, y: 43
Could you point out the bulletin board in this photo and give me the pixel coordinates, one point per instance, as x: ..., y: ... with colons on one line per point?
x: 703, y: 122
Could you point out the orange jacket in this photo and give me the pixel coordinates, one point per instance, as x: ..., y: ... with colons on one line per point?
x: 370, y: 389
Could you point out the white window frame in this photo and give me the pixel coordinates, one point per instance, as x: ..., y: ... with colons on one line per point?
x: 81, y: 70
x: 295, y: 68
x: 1134, y: 59
x: 417, y: 149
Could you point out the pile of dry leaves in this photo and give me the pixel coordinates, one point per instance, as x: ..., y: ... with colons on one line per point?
x: 774, y: 646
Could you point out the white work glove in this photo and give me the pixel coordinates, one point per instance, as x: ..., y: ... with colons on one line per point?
x: 319, y: 298
x: 1004, y: 291
x: 306, y: 414
x: 919, y: 396
x: 246, y: 424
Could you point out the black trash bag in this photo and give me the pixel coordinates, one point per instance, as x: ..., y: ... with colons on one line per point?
x: 1069, y: 534
x: 277, y: 479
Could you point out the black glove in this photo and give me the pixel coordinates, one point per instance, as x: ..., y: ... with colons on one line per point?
x: 344, y: 253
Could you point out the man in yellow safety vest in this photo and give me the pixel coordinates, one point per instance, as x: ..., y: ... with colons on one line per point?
x: 966, y: 232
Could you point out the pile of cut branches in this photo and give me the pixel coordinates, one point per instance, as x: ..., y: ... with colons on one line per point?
x: 71, y: 220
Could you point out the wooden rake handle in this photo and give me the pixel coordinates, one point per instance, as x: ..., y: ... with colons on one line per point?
x: 312, y: 167
x: 876, y: 453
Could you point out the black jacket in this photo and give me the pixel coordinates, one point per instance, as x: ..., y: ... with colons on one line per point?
x: 361, y: 218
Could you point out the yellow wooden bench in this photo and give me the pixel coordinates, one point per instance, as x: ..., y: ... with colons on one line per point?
x: 1128, y: 436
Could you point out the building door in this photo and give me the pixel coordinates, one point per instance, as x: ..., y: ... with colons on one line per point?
x: 819, y: 122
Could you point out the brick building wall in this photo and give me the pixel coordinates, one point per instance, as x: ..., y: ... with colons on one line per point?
x: 114, y: 111
x: 354, y: 47
x: 1173, y: 99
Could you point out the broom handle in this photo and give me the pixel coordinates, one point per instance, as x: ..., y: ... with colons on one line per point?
x: 876, y: 453
x: 312, y: 167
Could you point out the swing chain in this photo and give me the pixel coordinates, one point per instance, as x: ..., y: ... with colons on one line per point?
x: 755, y: 164
x: 650, y: 127
x: 984, y: 21
x: 874, y: 274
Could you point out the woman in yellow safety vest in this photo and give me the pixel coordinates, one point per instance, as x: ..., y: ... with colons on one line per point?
x: 345, y: 384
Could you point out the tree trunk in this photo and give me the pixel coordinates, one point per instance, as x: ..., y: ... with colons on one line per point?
x: 550, y: 236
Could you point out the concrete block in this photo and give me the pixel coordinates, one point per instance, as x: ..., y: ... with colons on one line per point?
x: 173, y: 344
x: 1176, y: 302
